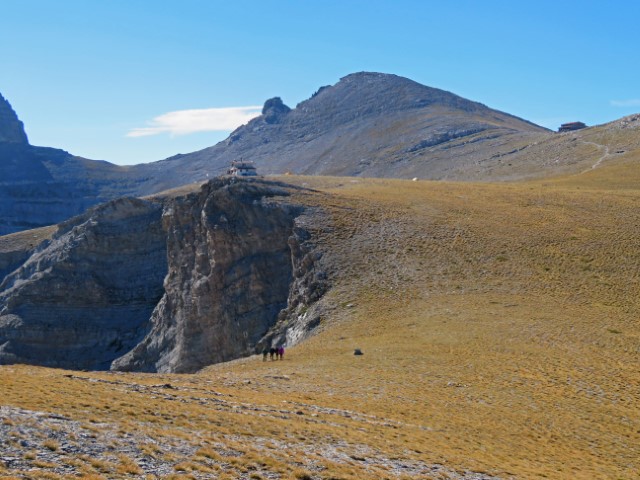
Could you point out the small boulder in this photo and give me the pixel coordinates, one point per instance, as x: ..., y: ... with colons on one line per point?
x: 357, y: 351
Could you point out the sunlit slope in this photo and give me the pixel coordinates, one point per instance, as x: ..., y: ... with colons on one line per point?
x: 500, y: 331
x: 507, y: 314
x: 570, y: 153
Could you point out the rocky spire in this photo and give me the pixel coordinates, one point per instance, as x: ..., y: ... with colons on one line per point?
x: 274, y: 110
x: 11, y: 128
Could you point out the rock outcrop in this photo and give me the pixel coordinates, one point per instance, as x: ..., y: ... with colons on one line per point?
x: 170, y: 284
x: 230, y: 272
x: 85, y: 297
x: 274, y: 110
x: 11, y: 128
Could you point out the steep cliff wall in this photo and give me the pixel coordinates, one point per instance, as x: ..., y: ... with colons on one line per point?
x: 303, y: 312
x: 85, y: 297
x: 170, y: 285
x: 230, y: 272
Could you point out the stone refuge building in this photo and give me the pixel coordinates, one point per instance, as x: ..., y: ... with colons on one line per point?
x: 242, y: 169
x: 569, y: 127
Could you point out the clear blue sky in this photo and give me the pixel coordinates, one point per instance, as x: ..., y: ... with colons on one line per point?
x: 83, y: 74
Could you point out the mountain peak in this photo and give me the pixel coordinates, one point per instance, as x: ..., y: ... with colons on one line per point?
x: 369, y: 76
x: 11, y: 128
x: 369, y: 93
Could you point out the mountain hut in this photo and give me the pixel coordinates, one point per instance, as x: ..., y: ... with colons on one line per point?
x: 242, y: 169
x: 569, y: 127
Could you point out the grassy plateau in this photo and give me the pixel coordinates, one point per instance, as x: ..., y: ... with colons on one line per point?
x: 501, y: 338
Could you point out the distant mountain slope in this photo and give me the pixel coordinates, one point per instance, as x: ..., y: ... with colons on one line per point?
x: 41, y: 186
x: 575, y: 152
x: 368, y: 124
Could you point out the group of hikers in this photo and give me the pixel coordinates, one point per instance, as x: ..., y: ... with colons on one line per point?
x: 277, y: 352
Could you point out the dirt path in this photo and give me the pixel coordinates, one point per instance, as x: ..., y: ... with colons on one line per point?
x: 606, y: 154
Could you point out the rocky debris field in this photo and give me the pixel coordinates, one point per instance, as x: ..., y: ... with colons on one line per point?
x: 38, y: 444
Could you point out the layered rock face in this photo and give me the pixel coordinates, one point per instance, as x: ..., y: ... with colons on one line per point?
x: 170, y: 284
x: 230, y: 272
x: 30, y: 196
x: 86, y: 296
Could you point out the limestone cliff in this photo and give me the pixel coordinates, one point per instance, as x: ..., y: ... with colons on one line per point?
x: 304, y: 311
x: 170, y: 284
x: 85, y: 297
x: 230, y: 272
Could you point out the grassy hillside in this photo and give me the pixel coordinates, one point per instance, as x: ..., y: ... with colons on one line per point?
x: 500, y: 331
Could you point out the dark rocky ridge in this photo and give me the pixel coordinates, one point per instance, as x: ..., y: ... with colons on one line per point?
x: 11, y: 129
x: 170, y: 284
x: 42, y: 186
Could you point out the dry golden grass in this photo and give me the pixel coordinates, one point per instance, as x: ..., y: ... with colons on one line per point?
x: 500, y: 331
x: 25, y: 240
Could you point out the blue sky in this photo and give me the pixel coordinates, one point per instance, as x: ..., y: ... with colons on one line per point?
x: 133, y: 81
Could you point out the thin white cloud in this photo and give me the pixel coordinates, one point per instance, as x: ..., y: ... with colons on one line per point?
x: 632, y: 102
x: 184, y: 122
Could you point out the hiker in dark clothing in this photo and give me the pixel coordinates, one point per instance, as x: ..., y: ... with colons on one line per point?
x: 272, y: 352
x: 265, y: 352
x: 281, y: 352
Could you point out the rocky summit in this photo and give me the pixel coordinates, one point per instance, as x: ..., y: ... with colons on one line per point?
x: 368, y: 124
x: 11, y: 129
